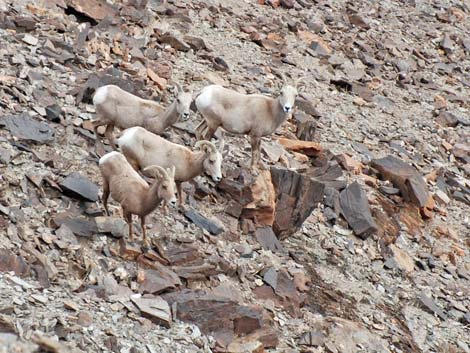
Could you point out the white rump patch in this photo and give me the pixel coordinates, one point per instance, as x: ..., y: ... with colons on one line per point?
x: 108, y: 156
x: 127, y: 137
x: 205, y: 98
x: 100, y: 95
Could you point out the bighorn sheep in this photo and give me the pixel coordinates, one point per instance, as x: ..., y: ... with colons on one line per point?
x: 116, y: 107
x: 254, y: 114
x: 128, y: 188
x: 143, y: 149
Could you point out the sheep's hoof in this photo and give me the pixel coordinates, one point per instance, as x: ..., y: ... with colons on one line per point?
x: 254, y: 170
x: 146, y: 245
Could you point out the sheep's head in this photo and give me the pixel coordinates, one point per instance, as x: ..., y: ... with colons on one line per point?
x: 183, y: 101
x: 213, y: 162
x: 166, y: 189
x: 288, y: 94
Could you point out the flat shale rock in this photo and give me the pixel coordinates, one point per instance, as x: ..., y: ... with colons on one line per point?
x: 213, y: 226
x: 157, y: 280
x: 311, y: 149
x: 296, y: 197
x: 405, y: 177
x: 113, y: 76
x: 116, y: 226
x: 9, y: 262
x: 306, y: 126
x: 355, y: 209
x: 240, y: 346
x: 177, y: 43
x: 155, y: 309
x: 268, y: 240
x: 220, y: 317
x: 346, y: 336
x: 431, y: 306
x: 78, y: 186
x: 400, y: 258
x: 80, y: 226
x: 94, y: 9
x: 29, y: 129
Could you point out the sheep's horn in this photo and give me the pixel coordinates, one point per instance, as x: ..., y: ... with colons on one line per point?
x: 199, y: 144
x: 159, y: 171
x: 284, y: 78
x: 172, y: 170
x: 299, y: 80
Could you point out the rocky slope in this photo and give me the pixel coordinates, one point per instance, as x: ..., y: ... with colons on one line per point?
x: 353, y: 238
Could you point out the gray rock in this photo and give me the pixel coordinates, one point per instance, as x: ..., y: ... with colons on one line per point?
x: 431, y: 306
x: 26, y: 128
x: 356, y: 211
x: 213, y: 226
x: 78, y: 186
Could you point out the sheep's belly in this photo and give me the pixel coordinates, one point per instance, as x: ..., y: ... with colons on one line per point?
x: 237, y: 127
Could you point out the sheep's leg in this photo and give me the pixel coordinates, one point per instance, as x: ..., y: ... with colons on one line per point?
x: 144, y: 232
x: 128, y: 218
x: 110, y: 136
x: 96, y: 124
x: 179, y: 189
x: 105, y: 196
x: 255, y: 152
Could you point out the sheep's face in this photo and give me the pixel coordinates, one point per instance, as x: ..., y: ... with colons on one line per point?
x: 167, y: 189
x: 213, y: 164
x: 183, y: 102
x: 287, y: 98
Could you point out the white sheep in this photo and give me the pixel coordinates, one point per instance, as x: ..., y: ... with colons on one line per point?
x: 143, y: 149
x: 118, y: 108
x: 255, y: 115
x: 129, y: 189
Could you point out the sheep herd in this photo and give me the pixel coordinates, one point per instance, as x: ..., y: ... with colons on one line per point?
x: 171, y: 164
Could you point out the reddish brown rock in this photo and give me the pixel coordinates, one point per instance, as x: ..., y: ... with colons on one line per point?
x: 348, y: 163
x: 296, y: 197
x: 129, y: 251
x: 157, y: 280
x: 405, y: 177
x: 94, y: 9
x: 11, y: 262
x: 309, y: 148
x: 200, y: 308
x: 254, y: 195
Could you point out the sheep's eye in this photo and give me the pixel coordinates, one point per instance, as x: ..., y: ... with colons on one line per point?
x: 211, y: 162
x: 178, y: 100
x: 165, y: 187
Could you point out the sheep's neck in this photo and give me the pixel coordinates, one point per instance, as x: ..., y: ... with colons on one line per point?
x: 159, y: 123
x: 279, y: 116
x: 197, y: 163
x: 151, y: 200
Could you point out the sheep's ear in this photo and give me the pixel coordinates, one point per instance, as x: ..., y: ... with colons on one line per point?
x: 284, y: 78
x: 173, y: 170
x: 221, y: 145
x: 179, y: 89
